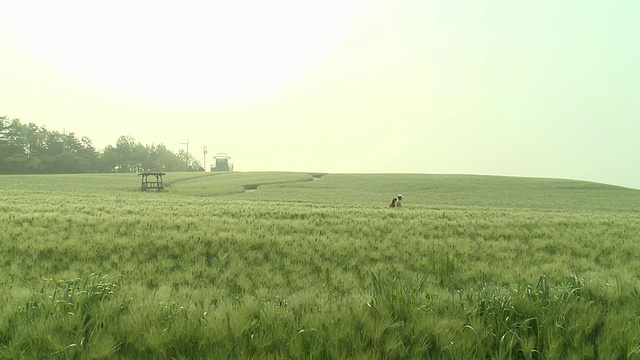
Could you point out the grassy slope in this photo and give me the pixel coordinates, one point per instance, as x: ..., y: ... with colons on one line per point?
x: 554, y: 218
x: 364, y: 190
x: 433, y: 191
x: 299, y: 254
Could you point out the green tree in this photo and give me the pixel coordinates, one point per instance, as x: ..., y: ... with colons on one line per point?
x: 14, y: 149
x: 162, y: 159
x: 131, y: 156
x: 5, y: 148
x: 121, y: 157
x: 33, y: 149
x: 189, y: 163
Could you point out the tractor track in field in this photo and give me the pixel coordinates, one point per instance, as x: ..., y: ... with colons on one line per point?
x: 249, y: 188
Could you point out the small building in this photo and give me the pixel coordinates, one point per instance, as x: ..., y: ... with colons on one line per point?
x: 222, y: 163
x: 155, y: 182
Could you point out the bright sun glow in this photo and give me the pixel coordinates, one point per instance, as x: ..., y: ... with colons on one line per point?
x: 182, y: 52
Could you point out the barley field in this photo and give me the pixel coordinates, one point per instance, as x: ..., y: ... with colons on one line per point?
x: 317, y: 266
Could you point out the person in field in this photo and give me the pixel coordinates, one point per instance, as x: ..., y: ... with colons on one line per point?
x: 394, y: 201
x: 399, y: 200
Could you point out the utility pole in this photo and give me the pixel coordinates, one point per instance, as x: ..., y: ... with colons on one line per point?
x: 204, y: 153
x: 186, y: 158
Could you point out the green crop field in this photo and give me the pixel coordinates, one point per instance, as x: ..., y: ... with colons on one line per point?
x: 317, y: 266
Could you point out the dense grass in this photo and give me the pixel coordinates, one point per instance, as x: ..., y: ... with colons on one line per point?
x: 469, y: 267
x: 230, y: 183
x: 435, y: 191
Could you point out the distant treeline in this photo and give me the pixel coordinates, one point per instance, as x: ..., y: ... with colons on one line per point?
x: 32, y: 149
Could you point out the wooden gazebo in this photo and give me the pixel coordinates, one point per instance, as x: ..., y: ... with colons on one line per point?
x: 151, y: 183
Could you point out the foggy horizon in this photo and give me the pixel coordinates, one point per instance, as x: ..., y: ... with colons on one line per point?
x: 542, y: 90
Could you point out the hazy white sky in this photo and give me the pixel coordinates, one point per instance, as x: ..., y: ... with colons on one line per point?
x: 546, y: 88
